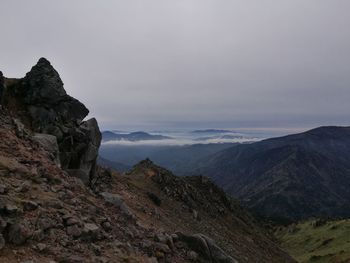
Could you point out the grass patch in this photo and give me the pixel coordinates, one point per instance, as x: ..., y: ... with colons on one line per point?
x: 317, y: 241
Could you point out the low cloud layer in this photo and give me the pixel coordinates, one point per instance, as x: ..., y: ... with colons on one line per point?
x: 193, y: 63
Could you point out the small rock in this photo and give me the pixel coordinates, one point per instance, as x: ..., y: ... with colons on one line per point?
x: 12, y: 209
x: 3, y: 224
x: 29, y: 205
x: 45, y: 223
x: 116, y: 200
x: 74, y: 231
x: 3, y: 189
x: 72, y: 221
x: 23, y: 188
x: 96, y: 249
x: 41, y: 247
x: 18, y: 234
x: 155, y: 199
x: 161, y: 247
x: 90, y: 231
x: 2, y: 242
x: 106, y: 226
x: 192, y: 255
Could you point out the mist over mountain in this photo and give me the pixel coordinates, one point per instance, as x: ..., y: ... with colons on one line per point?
x: 133, y: 136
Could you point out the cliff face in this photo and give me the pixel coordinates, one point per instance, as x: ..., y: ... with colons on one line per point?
x: 40, y: 102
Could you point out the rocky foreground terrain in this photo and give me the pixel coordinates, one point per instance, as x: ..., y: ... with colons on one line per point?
x: 57, y: 205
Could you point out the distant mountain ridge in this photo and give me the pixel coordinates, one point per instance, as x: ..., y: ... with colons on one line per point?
x: 133, y: 136
x: 212, y: 131
x: 291, y: 177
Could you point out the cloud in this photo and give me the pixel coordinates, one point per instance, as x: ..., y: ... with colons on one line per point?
x: 178, y: 141
x: 189, y: 62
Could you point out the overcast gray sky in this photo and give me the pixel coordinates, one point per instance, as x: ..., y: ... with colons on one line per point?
x: 193, y: 63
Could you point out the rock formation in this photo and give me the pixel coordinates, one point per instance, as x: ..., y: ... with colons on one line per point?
x: 40, y: 102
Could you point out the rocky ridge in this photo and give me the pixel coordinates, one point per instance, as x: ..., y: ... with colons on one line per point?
x: 39, y: 103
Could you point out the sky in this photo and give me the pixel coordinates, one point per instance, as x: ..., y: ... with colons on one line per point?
x: 158, y: 64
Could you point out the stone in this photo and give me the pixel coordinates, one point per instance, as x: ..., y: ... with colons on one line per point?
x: 90, y: 232
x: 2, y: 242
x: 206, y: 248
x: 117, y: 201
x: 193, y: 256
x: 29, y: 205
x: 68, y: 258
x: 12, y: 209
x: 3, y: 224
x: 3, y: 189
x: 49, y: 143
x: 81, y: 174
x: 41, y: 247
x: 24, y: 187
x: 155, y: 199
x: 72, y: 221
x: 74, y: 231
x: 49, y: 112
x: 106, y: 226
x: 96, y: 249
x: 18, y: 234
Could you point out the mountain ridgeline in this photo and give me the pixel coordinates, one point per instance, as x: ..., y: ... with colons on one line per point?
x: 288, y: 178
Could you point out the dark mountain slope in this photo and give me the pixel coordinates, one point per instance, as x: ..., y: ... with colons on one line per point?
x: 292, y: 177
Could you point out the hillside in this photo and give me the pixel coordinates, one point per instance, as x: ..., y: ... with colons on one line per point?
x: 183, y: 204
x: 57, y: 205
x: 178, y: 158
x: 288, y: 178
x: 317, y: 241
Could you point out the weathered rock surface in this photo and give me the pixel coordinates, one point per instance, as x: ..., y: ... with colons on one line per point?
x: 40, y: 102
x: 206, y: 248
x: 49, y: 143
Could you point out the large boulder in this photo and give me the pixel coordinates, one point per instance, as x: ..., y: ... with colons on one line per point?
x: 43, y: 106
x: 206, y: 248
x: 49, y: 143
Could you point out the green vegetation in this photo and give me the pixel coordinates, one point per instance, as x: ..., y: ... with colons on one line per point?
x: 317, y: 241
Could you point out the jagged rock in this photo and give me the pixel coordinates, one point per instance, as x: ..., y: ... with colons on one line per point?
x: 41, y: 104
x: 49, y: 143
x: 206, y: 248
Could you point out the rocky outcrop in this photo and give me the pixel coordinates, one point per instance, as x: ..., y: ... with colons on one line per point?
x: 40, y: 102
x: 206, y: 248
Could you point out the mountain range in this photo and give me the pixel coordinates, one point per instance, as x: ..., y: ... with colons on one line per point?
x: 287, y: 178
x: 133, y: 136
